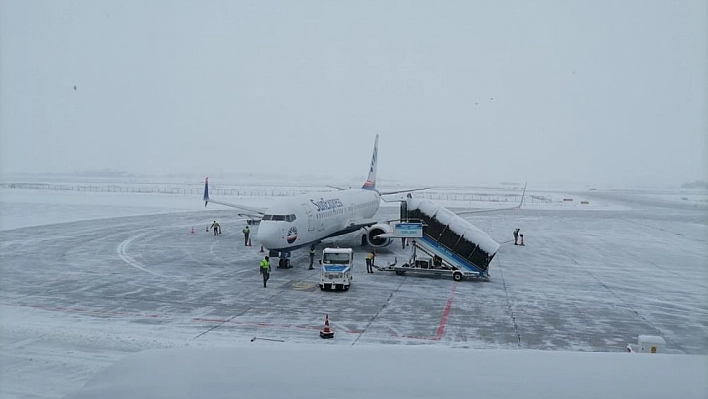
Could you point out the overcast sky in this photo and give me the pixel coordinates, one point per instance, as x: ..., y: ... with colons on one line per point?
x: 460, y: 92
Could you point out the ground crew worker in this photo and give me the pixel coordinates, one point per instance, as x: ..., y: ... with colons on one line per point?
x: 265, y: 270
x: 516, y: 236
x: 370, y: 261
x: 217, y: 229
x: 246, y: 233
x: 312, y: 257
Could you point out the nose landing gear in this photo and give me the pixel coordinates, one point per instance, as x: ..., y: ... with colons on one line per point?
x: 284, y: 261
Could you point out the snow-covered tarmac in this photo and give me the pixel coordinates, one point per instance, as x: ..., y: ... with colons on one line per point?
x: 78, y: 295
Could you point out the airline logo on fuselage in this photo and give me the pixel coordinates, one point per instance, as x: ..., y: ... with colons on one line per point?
x: 325, y: 205
x: 292, y: 235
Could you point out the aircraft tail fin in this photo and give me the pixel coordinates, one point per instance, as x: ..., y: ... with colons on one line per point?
x: 206, y: 191
x: 370, y: 183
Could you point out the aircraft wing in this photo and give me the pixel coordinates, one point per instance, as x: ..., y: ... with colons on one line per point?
x: 487, y: 210
x: 403, y: 191
x: 387, y: 192
x: 497, y: 209
x: 356, y: 224
x: 252, y: 212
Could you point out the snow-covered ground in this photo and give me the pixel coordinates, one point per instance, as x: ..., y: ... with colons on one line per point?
x: 88, y: 277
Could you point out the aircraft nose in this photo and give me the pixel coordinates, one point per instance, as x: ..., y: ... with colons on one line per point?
x: 268, y: 235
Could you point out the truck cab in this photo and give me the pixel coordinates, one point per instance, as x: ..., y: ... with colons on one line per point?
x: 336, y: 273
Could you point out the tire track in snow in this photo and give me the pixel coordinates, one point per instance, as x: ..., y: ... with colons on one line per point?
x: 380, y: 310
x: 627, y: 304
x: 506, y: 292
x: 241, y: 313
x: 508, y: 302
x: 122, y: 251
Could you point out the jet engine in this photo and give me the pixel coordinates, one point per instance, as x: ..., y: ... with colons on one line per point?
x: 373, y: 233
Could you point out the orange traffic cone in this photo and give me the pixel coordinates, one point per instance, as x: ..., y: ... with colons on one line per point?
x: 326, y: 332
x: 262, y: 248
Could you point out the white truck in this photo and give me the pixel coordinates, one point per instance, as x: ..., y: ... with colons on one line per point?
x: 336, y: 273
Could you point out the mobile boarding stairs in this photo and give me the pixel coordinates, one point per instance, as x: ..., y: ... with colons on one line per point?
x: 432, y: 258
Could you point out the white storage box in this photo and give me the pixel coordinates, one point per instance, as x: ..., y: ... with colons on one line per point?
x: 651, y: 344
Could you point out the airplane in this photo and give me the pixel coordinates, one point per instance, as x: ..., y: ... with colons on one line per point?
x: 307, y: 219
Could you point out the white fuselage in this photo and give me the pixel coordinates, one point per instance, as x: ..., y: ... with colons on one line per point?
x: 309, y: 218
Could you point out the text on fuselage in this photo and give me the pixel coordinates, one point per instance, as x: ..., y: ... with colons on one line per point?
x: 325, y: 205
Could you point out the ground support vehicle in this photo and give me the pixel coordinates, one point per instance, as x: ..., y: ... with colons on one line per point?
x: 448, y: 244
x: 431, y: 264
x: 336, y: 273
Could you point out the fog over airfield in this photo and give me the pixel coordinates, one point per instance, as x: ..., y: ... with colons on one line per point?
x: 597, y: 92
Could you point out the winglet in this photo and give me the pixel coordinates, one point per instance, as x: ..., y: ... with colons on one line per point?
x: 206, y: 191
x: 370, y: 183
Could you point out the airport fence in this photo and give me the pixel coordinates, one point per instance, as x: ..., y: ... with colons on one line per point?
x: 432, y: 194
x: 246, y: 192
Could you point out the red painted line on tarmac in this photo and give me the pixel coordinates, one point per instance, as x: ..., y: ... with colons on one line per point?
x: 114, y: 313
x: 446, y: 312
x: 438, y: 336
x: 210, y: 320
x: 72, y: 310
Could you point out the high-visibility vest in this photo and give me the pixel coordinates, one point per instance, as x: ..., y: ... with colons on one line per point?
x: 370, y: 256
x: 265, y: 264
x: 246, y: 230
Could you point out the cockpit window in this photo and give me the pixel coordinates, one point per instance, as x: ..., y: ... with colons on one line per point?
x: 280, y: 218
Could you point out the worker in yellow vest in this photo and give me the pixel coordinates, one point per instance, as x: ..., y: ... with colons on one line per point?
x: 370, y: 261
x: 246, y: 233
x: 312, y: 256
x: 265, y: 270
